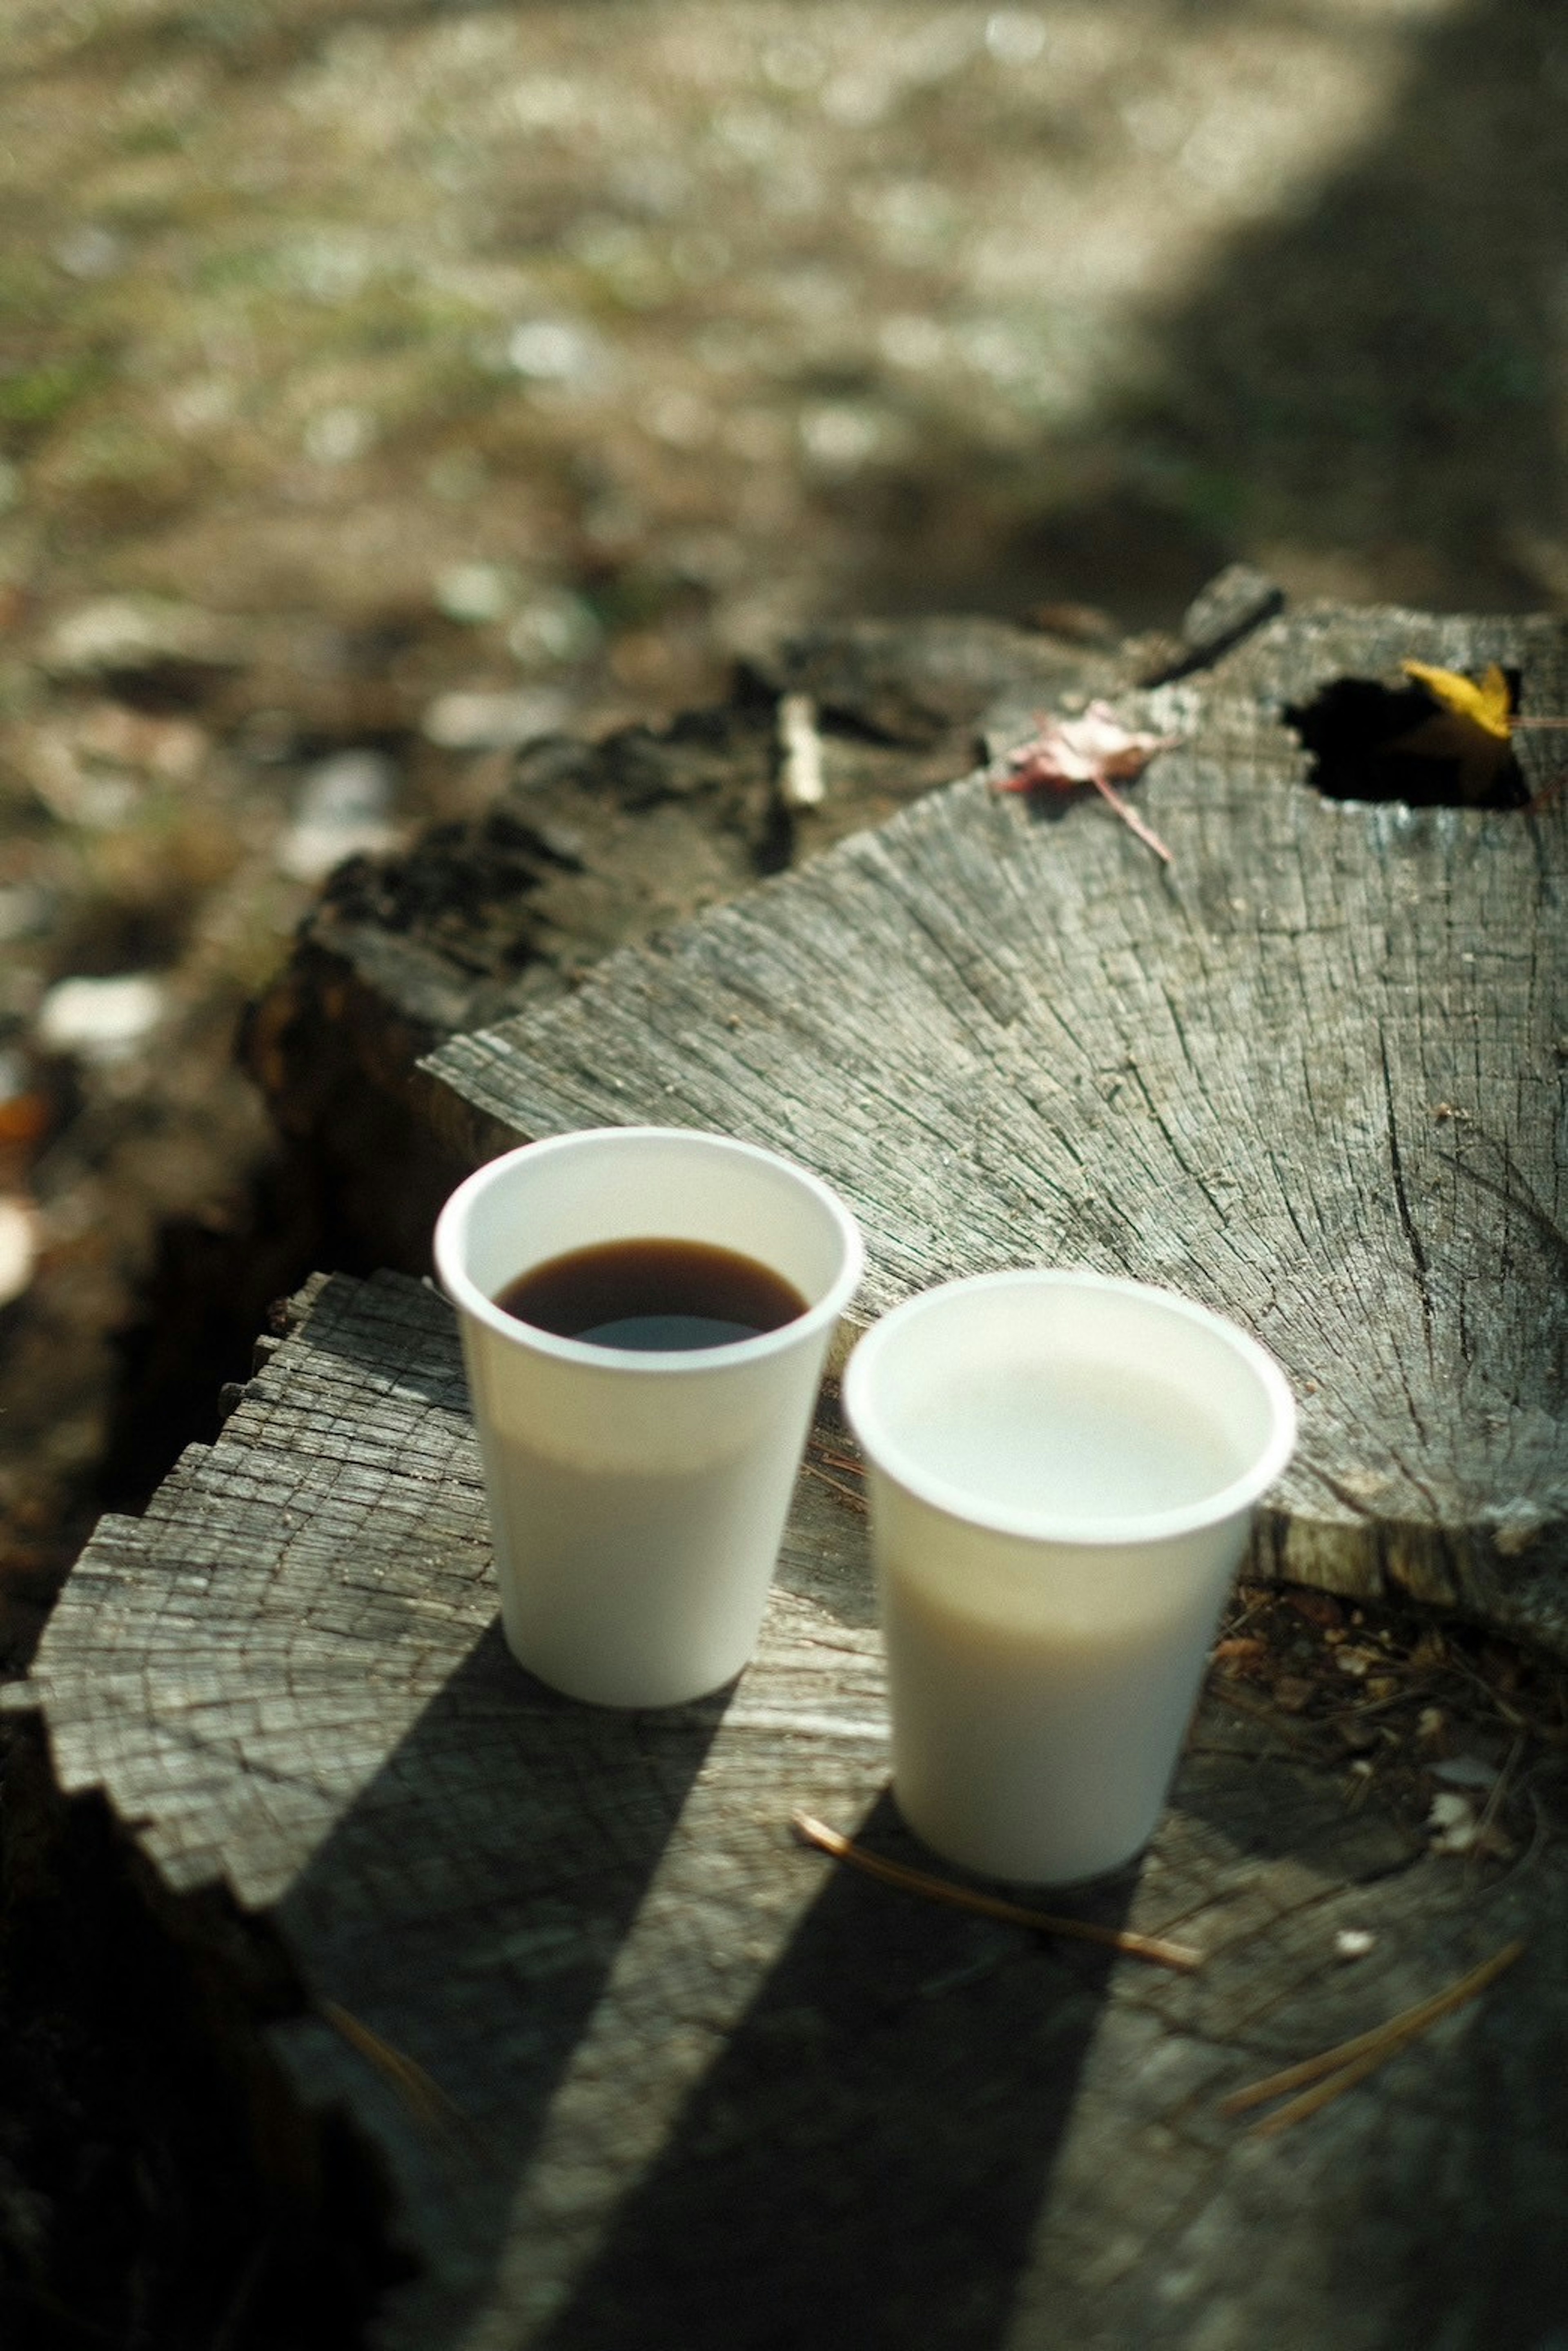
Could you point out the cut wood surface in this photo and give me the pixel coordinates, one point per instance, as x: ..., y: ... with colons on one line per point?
x: 643, y: 2074
x: 585, y: 847
x: 1312, y: 1073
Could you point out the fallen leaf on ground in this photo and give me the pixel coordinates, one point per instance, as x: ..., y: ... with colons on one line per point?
x: 1487, y: 705
x: 1471, y: 724
x: 1095, y: 749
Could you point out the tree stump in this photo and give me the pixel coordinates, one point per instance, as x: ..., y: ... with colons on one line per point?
x: 1310, y: 1073
x: 634, y: 2067
x: 638, y: 2071
x: 589, y: 846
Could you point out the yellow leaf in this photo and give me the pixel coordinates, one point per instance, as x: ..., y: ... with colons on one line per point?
x: 1486, y: 704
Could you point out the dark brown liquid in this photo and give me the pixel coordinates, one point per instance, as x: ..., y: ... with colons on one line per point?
x: 652, y: 1296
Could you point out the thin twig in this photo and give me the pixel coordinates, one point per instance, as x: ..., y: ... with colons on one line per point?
x: 989, y: 1906
x: 1539, y: 1833
x: 1310, y: 2102
x: 1500, y: 1705
x: 1493, y: 1804
x: 1352, y: 2061
x: 1406, y: 1696
x: 851, y: 1462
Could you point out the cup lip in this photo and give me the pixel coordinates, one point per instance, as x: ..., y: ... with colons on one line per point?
x: 463, y: 1292
x: 1141, y: 1527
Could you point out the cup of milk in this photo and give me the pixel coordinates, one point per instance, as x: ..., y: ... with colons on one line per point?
x: 1063, y: 1471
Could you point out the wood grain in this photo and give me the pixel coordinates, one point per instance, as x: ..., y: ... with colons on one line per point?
x: 1312, y: 1074
x: 640, y: 2071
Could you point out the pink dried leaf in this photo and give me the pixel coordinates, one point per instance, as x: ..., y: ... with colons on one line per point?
x: 1093, y: 750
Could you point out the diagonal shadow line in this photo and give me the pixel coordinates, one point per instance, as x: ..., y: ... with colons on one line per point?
x: 865, y: 2165
x: 1364, y: 367
x: 1377, y: 361
x: 467, y: 1912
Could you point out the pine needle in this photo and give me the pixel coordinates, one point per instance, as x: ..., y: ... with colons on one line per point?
x: 837, y: 1485
x: 1334, y: 2070
x: 424, y: 2098
x: 989, y: 1905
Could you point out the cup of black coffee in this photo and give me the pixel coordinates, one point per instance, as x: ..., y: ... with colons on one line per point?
x: 646, y: 1314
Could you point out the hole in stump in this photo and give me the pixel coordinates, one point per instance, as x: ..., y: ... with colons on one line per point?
x: 1373, y: 742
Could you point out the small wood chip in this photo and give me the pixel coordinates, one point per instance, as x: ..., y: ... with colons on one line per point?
x: 802, y: 782
x: 1153, y: 1948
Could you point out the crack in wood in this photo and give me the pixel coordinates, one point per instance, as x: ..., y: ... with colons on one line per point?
x: 568, y: 1921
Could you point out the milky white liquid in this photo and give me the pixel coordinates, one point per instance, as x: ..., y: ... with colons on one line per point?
x: 1040, y: 1687
x: 1085, y: 1443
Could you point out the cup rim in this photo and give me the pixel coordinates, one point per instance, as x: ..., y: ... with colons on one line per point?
x: 463, y: 1292
x: 1141, y: 1527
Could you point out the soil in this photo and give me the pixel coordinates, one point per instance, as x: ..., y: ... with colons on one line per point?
x: 380, y: 387
x: 384, y: 386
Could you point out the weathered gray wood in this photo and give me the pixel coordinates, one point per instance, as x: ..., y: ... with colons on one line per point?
x: 697, y: 2090
x: 586, y: 847
x: 1312, y: 1072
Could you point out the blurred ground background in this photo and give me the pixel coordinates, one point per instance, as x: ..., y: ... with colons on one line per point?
x: 357, y: 360
x: 383, y: 384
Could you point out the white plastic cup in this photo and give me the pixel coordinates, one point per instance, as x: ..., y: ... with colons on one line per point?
x: 1063, y: 1473
x: 637, y: 1500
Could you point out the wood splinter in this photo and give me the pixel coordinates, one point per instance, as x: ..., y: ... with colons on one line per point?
x: 1153, y: 1948
x: 802, y: 782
